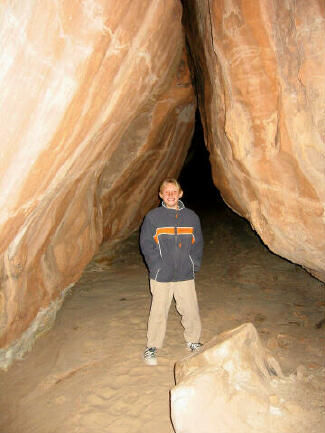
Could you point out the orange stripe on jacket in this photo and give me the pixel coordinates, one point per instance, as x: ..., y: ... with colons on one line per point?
x: 164, y: 231
x: 186, y: 231
x: 171, y: 231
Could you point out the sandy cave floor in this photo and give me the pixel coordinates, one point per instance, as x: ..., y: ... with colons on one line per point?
x: 87, y: 375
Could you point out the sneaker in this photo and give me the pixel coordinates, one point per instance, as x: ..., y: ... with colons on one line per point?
x: 194, y: 347
x: 149, y: 356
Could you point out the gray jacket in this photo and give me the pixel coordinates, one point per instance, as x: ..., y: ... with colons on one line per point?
x: 171, y: 242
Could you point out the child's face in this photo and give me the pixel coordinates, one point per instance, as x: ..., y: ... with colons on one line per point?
x: 170, y: 195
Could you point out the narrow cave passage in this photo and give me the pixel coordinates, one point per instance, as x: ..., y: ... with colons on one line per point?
x: 195, y: 177
x: 87, y: 374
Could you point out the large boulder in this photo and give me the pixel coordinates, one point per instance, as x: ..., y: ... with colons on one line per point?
x: 260, y: 76
x: 235, y: 385
x: 96, y: 108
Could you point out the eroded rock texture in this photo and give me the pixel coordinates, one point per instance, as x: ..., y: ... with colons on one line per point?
x: 96, y: 108
x: 260, y: 73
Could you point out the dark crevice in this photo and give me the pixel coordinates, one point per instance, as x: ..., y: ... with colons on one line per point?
x: 200, y: 193
x: 195, y: 177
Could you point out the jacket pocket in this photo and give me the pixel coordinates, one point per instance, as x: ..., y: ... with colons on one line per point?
x: 165, y: 273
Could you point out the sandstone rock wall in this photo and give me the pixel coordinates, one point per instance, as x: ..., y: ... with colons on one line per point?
x: 96, y: 108
x: 260, y: 76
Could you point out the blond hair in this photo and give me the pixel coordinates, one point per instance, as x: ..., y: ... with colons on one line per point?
x: 172, y: 181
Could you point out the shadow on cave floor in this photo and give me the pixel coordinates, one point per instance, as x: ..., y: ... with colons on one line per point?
x: 87, y: 375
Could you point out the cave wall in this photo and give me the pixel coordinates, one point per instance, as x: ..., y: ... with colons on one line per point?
x: 259, y: 68
x: 97, y: 107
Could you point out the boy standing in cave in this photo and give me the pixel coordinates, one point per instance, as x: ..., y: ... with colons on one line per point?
x: 171, y: 242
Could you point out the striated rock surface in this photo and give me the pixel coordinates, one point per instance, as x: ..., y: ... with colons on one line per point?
x: 260, y: 75
x: 96, y: 108
x: 235, y: 385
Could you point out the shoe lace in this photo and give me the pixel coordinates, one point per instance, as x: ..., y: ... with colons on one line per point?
x: 150, y: 352
x: 195, y: 346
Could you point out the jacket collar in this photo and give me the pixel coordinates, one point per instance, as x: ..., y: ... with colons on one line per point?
x: 179, y: 203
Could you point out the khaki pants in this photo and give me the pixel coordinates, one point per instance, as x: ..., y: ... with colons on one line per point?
x: 186, y: 304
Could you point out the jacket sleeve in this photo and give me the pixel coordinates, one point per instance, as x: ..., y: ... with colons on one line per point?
x: 197, y: 247
x: 149, y: 247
